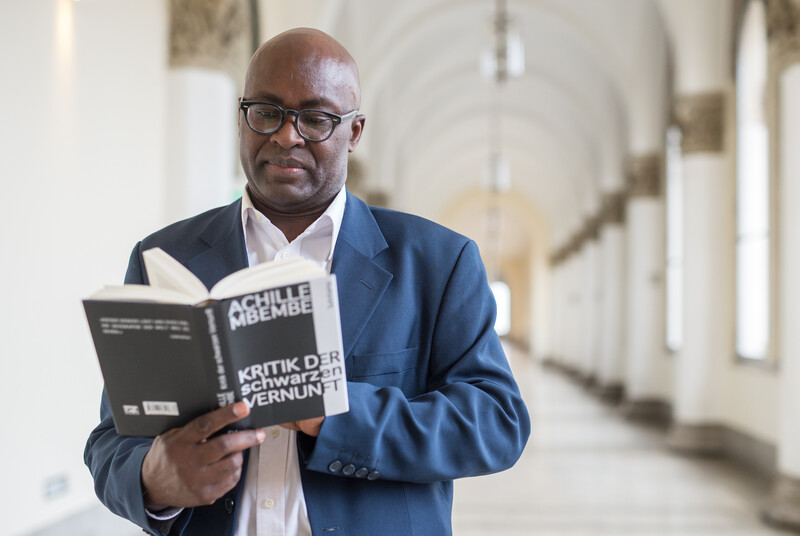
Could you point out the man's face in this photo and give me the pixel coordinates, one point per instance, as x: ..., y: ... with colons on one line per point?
x: 286, y: 173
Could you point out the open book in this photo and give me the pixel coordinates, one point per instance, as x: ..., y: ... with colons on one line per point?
x: 170, y: 351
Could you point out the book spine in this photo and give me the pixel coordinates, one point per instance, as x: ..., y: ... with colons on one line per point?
x: 224, y: 382
x: 328, y: 337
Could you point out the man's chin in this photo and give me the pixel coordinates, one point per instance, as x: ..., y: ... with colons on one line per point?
x: 284, y: 197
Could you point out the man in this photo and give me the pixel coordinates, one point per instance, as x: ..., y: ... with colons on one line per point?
x: 431, y: 395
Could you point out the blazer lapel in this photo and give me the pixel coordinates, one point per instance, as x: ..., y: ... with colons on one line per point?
x: 226, y: 252
x: 361, y: 282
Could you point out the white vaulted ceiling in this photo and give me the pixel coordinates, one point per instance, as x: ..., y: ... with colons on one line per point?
x: 593, y: 94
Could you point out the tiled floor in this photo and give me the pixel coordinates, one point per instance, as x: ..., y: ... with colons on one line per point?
x: 586, y: 472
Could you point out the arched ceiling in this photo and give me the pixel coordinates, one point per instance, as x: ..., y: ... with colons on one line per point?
x: 593, y: 94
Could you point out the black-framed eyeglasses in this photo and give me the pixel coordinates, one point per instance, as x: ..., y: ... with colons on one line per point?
x: 312, y: 125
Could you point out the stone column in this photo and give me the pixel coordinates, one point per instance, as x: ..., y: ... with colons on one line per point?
x: 644, y: 375
x: 558, y: 305
x: 209, y: 47
x: 783, y: 19
x: 572, y: 309
x: 583, y: 336
x: 594, y: 312
x: 708, y: 274
x: 611, y: 369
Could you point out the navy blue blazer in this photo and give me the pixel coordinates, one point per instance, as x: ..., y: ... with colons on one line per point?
x: 431, y: 394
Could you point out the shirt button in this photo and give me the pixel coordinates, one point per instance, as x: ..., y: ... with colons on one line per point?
x: 275, y: 431
x: 335, y: 466
x: 268, y: 504
x: 349, y: 469
x: 284, y: 254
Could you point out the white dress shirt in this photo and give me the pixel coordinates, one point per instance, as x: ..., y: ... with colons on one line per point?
x: 272, y: 501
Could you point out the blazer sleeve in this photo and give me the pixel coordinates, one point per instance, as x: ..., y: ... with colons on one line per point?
x: 115, y: 461
x: 470, y: 421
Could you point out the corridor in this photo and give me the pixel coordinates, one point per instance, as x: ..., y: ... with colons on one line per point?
x: 587, y: 471
x: 628, y: 170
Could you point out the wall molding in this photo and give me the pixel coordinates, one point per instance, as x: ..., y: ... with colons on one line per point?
x: 645, y: 176
x: 700, y: 117
x: 612, y: 210
x: 782, y: 508
x: 783, y: 31
x: 213, y: 34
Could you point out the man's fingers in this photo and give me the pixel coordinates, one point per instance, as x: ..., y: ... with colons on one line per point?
x: 309, y: 427
x: 224, y: 445
x: 207, y: 425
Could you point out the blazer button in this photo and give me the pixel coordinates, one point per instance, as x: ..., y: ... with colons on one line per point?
x: 361, y: 473
x: 349, y: 469
x: 374, y: 475
x: 335, y: 466
x: 229, y: 505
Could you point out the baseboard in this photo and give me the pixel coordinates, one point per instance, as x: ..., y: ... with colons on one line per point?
x: 782, y: 508
x: 610, y: 392
x: 654, y: 412
x: 696, y: 439
x: 756, y: 455
x: 746, y: 451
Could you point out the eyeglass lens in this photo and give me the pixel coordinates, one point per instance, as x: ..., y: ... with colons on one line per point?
x: 266, y: 118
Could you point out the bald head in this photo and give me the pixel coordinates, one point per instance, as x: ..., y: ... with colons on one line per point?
x: 313, y: 53
x: 291, y: 178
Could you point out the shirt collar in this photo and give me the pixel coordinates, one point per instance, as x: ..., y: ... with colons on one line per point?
x: 329, y: 222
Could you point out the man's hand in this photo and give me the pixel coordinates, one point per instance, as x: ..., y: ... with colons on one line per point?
x: 186, y: 467
x: 308, y: 426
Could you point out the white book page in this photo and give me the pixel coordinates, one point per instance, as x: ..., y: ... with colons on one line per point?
x: 163, y: 271
x: 266, y: 275
x: 144, y: 293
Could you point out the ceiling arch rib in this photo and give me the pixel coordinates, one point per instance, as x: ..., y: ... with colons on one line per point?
x: 590, y: 99
x: 567, y: 112
x: 558, y: 117
x: 557, y: 206
x: 535, y: 134
x: 595, y: 77
x: 542, y: 171
x: 548, y: 28
x: 618, y: 35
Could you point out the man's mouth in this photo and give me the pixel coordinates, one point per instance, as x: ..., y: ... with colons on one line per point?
x: 286, y: 164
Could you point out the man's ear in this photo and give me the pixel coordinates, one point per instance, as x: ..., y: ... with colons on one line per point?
x: 356, y: 129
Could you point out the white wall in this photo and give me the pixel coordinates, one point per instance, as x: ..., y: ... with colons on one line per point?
x: 82, y: 107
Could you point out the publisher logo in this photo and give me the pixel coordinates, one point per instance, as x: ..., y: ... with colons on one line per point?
x: 160, y: 408
x: 130, y: 409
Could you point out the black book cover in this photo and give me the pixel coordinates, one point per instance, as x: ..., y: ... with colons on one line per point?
x: 279, y: 350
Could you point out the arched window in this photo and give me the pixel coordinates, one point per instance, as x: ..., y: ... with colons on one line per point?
x: 753, y: 291
x: 502, y: 296
x: 674, y: 269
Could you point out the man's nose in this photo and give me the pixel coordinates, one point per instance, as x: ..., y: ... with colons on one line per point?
x: 287, y: 136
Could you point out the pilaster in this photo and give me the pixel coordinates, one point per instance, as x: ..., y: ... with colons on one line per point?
x: 210, y: 44
x: 782, y: 507
x: 707, y: 273
x: 611, y: 367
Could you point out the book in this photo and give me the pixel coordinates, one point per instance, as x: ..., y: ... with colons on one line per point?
x: 268, y: 335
